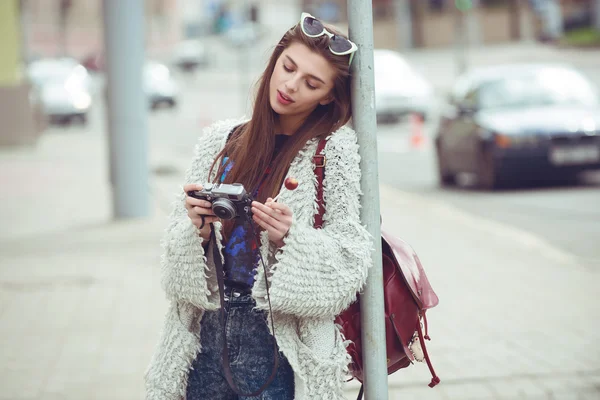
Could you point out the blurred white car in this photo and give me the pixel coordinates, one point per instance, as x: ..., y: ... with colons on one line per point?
x: 399, y: 88
x: 190, y: 54
x: 63, y: 88
x: 160, y: 86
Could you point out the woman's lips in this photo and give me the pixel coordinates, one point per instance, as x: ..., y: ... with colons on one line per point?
x: 283, y: 99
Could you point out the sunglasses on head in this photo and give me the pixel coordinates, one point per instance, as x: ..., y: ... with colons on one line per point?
x: 338, y: 45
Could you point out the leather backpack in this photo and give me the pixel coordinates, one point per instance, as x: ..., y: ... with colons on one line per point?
x: 407, y: 296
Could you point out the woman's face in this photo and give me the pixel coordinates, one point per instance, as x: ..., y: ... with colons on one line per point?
x: 302, y: 79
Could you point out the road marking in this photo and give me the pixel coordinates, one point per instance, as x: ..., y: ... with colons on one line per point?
x: 524, y: 238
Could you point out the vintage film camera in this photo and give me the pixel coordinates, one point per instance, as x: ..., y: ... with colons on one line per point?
x: 229, y: 201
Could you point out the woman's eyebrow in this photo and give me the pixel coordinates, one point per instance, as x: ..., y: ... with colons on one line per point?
x: 311, y: 76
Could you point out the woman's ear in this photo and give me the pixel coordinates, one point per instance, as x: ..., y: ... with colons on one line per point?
x: 326, y: 100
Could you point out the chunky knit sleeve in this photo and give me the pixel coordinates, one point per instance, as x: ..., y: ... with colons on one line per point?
x: 184, y: 264
x: 318, y: 272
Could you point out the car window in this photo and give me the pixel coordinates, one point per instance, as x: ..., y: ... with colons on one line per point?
x: 54, y: 71
x: 388, y: 64
x: 539, y: 88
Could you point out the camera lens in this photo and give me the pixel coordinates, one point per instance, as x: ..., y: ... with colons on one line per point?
x: 224, y: 209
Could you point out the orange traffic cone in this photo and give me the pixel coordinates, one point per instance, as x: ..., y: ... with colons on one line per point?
x: 417, y: 134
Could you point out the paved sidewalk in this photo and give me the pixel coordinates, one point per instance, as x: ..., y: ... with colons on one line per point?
x: 81, y: 306
x: 516, y: 320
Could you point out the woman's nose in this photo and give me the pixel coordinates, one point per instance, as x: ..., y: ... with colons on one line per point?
x: 291, y: 85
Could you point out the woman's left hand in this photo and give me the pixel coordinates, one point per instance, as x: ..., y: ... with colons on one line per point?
x: 275, y: 218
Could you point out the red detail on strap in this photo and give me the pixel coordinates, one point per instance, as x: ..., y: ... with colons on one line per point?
x: 435, y: 379
x: 319, y: 161
x: 426, y: 327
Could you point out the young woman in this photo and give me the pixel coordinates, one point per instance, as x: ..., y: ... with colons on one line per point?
x: 313, y: 274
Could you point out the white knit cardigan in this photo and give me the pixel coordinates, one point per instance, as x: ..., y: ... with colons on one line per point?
x: 313, y: 277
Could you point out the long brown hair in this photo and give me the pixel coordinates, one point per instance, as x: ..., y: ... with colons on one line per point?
x: 252, y: 144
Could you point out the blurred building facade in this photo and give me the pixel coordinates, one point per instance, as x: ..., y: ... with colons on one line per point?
x: 82, y: 26
x: 434, y: 22
x: 21, y: 120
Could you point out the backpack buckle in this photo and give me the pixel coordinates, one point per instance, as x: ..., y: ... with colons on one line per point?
x: 320, y: 160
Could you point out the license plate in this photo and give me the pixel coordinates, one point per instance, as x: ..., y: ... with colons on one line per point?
x: 574, y: 155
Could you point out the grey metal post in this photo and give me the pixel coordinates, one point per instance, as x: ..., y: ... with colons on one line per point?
x: 360, y: 18
x: 24, y: 7
x: 460, y: 42
x: 525, y: 21
x: 553, y: 19
x: 597, y: 14
x: 472, y: 25
x: 404, y: 18
x: 245, y: 54
x: 127, y: 107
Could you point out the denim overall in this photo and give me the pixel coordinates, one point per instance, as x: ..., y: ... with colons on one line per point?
x: 250, y: 352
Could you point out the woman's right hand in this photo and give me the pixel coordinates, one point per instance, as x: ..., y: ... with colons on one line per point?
x: 199, y: 210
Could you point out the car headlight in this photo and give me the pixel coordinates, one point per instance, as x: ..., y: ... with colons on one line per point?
x: 506, y: 141
x: 526, y: 140
x: 81, y: 101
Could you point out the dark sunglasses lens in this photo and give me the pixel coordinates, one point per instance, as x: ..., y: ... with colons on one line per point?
x: 340, y: 44
x: 312, y: 26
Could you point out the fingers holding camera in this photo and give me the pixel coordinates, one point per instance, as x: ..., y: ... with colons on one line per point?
x: 200, y: 214
x: 199, y: 211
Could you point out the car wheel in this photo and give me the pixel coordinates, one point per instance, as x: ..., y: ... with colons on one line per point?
x: 445, y: 177
x: 487, y: 171
x: 82, y: 119
x: 388, y: 119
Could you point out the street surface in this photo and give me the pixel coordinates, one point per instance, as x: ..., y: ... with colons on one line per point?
x: 517, y: 271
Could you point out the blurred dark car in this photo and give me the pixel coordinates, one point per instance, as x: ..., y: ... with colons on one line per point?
x: 522, y: 121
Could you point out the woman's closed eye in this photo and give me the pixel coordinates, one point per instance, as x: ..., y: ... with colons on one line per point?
x: 289, y: 70
x: 311, y: 87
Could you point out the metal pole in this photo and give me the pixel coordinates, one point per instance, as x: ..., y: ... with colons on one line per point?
x: 245, y: 55
x: 127, y: 107
x: 62, y: 42
x: 554, y: 19
x: 472, y: 28
x: 360, y: 18
x: 597, y: 14
x: 25, y: 23
x: 404, y: 18
x: 525, y: 21
x: 460, y: 42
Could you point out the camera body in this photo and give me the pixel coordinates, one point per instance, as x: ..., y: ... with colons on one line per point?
x: 228, y: 201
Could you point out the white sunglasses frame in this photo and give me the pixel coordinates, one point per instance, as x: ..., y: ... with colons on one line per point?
x: 352, y: 49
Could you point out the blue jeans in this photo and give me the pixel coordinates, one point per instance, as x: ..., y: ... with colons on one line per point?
x: 250, y: 354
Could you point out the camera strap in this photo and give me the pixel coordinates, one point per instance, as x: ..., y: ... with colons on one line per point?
x: 225, y: 352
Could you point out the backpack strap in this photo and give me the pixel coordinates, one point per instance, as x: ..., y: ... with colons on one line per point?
x: 320, y: 160
x: 435, y: 379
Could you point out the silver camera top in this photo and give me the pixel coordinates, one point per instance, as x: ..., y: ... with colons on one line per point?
x: 234, y: 191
